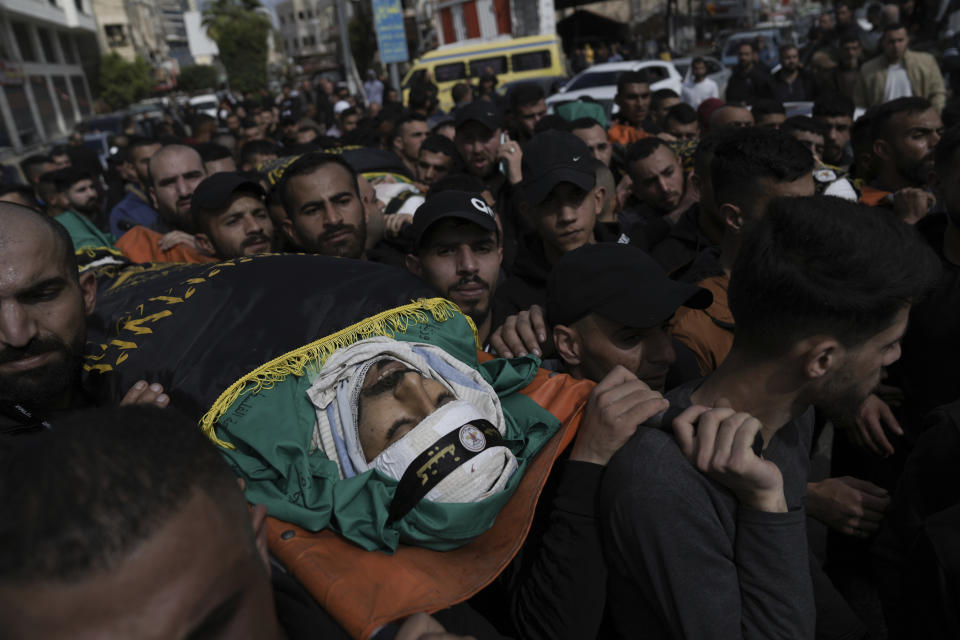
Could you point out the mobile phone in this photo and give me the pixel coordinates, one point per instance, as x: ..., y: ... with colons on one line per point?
x: 502, y: 164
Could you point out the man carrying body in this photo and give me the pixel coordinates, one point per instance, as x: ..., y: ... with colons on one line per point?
x: 904, y: 132
x: 408, y: 135
x: 740, y: 567
x: 135, y: 209
x: 899, y: 73
x: 325, y: 214
x: 458, y: 253
x: 633, y: 98
x: 436, y: 159
x: 45, y: 303
x: 231, y: 218
x: 174, y: 171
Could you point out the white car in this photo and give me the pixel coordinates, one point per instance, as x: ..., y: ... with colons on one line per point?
x: 600, y: 82
x: 206, y: 103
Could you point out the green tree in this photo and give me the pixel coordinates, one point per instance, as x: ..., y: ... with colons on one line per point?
x: 122, y: 83
x: 197, y: 77
x: 241, y: 36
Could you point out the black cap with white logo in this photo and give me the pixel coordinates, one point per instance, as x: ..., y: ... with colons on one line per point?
x: 452, y: 204
x: 482, y: 111
x: 553, y: 157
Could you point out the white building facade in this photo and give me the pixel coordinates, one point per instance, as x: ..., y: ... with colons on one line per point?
x: 46, y: 46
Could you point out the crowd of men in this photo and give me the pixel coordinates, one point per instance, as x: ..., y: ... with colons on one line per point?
x: 752, y: 293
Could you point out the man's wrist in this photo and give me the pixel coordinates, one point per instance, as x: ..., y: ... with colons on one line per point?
x: 772, y: 501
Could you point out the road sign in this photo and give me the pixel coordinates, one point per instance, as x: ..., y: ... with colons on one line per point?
x: 391, y: 34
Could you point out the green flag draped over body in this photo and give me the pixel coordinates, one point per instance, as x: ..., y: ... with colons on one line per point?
x: 267, y: 431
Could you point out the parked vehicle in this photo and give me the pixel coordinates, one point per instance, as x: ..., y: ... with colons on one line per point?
x: 773, y: 38
x: 206, y: 103
x: 599, y: 82
x: 512, y: 59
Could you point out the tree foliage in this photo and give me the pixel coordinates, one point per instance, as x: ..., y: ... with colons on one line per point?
x: 241, y: 36
x: 122, y: 83
x: 197, y: 77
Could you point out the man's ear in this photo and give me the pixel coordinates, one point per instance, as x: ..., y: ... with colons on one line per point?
x: 88, y: 290
x: 153, y: 197
x: 258, y: 521
x: 289, y: 231
x: 881, y: 149
x: 567, y: 342
x: 204, y: 244
x: 732, y: 217
x: 599, y: 195
x: 397, y: 143
x: 413, y: 265
x: 695, y: 183
x: 821, y: 356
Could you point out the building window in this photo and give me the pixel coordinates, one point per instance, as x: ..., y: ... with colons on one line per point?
x: 47, y: 45
x: 82, y: 104
x: 79, y: 5
x: 116, y: 36
x: 63, y: 98
x: 66, y: 47
x: 300, y: 14
x: 294, y: 43
x: 309, y: 13
x: 22, y: 118
x: 41, y: 97
x: 281, y: 19
x: 22, y: 35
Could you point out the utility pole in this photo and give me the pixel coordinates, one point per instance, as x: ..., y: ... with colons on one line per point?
x: 348, y: 69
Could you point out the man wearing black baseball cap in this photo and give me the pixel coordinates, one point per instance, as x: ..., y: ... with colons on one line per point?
x: 230, y: 216
x: 562, y: 206
x: 609, y: 305
x: 458, y: 252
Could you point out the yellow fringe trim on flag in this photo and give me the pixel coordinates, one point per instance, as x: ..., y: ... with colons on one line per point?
x: 313, y: 355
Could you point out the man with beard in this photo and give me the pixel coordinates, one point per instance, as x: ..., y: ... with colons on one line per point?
x: 905, y: 132
x: 436, y: 159
x: 633, y: 97
x: 899, y: 73
x: 408, y: 134
x: 527, y: 107
x: 659, y: 192
x: 748, y: 82
x: 458, y: 253
x: 43, y: 308
x: 75, y: 204
x: 704, y: 527
x: 231, y: 218
x: 792, y: 83
x: 325, y: 213
x: 836, y: 113
x: 135, y: 209
x: 174, y: 172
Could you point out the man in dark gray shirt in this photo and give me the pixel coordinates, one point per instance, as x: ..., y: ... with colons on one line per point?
x: 704, y: 527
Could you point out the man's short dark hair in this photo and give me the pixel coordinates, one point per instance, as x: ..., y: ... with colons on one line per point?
x: 64, y: 178
x: 632, y: 77
x: 552, y: 122
x: 698, y: 60
x: 349, y: 111
x: 643, y: 149
x: 459, y: 92
x: 748, y: 43
x: 585, y: 122
x: 787, y: 46
x: 525, y: 94
x: 748, y: 155
x: 823, y: 265
x: 681, y: 113
x: 703, y: 156
x: 24, y: 191
x: 306, y: 165
x: 660, y: 95
x: 418, y: 98
x: 436, y: 143
x: 766, y: 106
x: 833, y: 105
x: 407, y: 117
x: 211, y: 152
x: 849, y: 35
x: 32, y: 166
x: 893, y: 26
x: 59, y: 150
x: 946, y: 151
x: 804, y: 123
x: 135, y: 142
x: 885, y: 112
x: 129, y: 469
x: 257, y: 148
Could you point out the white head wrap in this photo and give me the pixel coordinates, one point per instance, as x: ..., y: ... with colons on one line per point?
x: 335, y: 395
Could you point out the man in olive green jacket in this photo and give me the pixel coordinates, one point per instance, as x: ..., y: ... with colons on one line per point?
x: 899, y: 73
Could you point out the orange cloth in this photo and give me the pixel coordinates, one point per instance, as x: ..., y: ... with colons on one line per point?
x: 143, y: 245
x: 340, y: 575
x: 624, y: 134
x: 874, y: 197
x: 707, y: 332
